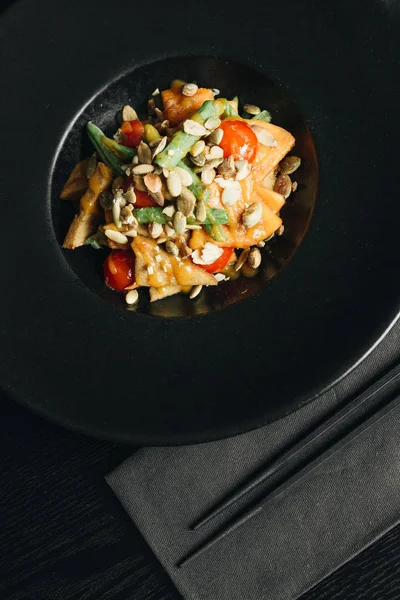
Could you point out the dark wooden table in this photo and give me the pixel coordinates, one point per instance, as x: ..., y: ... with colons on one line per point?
x: 64, y: 535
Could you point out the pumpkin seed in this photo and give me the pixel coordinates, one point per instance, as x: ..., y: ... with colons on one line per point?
x: 252, y: 109
x: 252, y: 214
x: 171, y: 248
x: 132, y: 297
x: 254, y: 258
x: 201, y: 211
x: 198, y: 160
x: 197, y: 148
x: 215, y: 152
x: 208, y: 176
x: 153, y: 182
x: 242, y: 259
x: 230, y: 196
x: 215, y: 137
x: 189, y: 89
x: 139, y: 183
x: 186, y: 202
x: 193, y: 128
x: 283, y: 185
x: 264, y: 137
x: 142, y: 169
x: 160, y: 146
x: 129, y: 113
x: 179, y: 222
x: 91, y: 167
x: 185, y: 176
x: 243, y: 169
x: 155, y: 230
x: 144, y: 153
x: 289, y: 165
x: 195, y: 291
x: 227, y: 167
x: 212, y: 123
x: 174, y: 184
x: 116, y: 236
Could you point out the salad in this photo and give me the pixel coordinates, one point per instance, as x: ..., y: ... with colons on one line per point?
x: 184, y: 197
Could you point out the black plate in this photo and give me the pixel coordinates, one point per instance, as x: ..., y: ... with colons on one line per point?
x: 189, y: 372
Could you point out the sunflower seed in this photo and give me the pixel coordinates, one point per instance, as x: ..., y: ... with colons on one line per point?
x: 156, y: 92
x: 186, y: 202
x: 254, y: 258
x: 193, y: 227
x: 208, y: 176
x: 201, y: 211
x: 116, y: 214
x: 160, y: 146
x: 171, y: 248
x: 179, y: 222
x: 155, y: 230
x: 117, y: 183
x: 215, y: 152
x: 197, y: 148
x: 283, y: 185
x: 242, y: 259
x: 159, y: 114
x: 91, y: 167
x: 139, y: 183
x: 227, y: 167
x: 170, y: 231
x: 280, y: 230
x: 116, y: 236
x: 142, y: 169
x: 158, y: 197
x: 252, y: 109
x: 129, y: 113
x: 144, y: 153
x: 153, y: 182
x: 243, y: 169
x: 215, y: 91
x: 289, y: 165
x: 132, y: 297
x: 230, y: 196
x: 195, y: 291
x: 212, y: 123
x: 215, y: 137
x: 193, y: 128
x: 252, y: 214
x: 189, y: 89
x: 131, y: 233
x: 198, y: 160
x: 295, y: 185
x: 174, y: 184
x: 264, y: 137
x: 169, y: 210
x: 185, y: 176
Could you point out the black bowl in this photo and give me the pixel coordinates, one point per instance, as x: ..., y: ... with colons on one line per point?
x: 329, y: 73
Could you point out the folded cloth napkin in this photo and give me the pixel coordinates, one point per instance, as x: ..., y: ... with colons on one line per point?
x: 298, y: 539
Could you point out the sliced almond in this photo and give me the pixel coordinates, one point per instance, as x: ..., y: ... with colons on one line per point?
x: 264, y: 136
x: 193, y: 128
x: 153, y: 182
x: 252, y: 214
x: 185, y: 176
x: 230, y: 196
x: 129, y: 113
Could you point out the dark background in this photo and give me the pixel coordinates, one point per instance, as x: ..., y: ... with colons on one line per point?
x: 64, y: 535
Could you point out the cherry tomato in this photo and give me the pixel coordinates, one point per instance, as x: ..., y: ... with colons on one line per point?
x: 119, y: 269
x: 133, y: 132
x: 220, y: 263
x: 142, y: 198
x: 239, y: 140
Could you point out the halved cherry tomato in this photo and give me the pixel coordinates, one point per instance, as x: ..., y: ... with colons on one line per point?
x: 133, y: 132
x: 220, y: 263
x: 119, y: 269
x: 142, y: 198
x: 239, y: 140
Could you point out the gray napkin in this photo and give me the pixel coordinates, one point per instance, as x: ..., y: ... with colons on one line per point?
x: 298, y: 539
